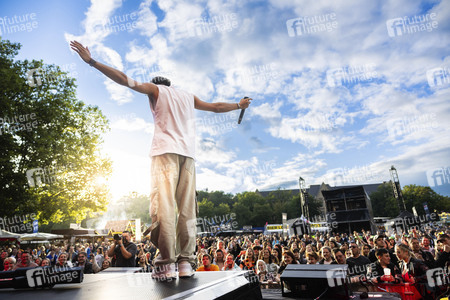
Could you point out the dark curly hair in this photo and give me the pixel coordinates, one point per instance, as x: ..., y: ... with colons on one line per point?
x: 161, y: 80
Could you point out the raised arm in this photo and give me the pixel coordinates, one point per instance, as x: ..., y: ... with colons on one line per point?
x: 117, y: 76
x: 221, y: 107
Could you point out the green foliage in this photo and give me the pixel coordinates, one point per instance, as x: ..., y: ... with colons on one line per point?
x: 206, y: 208
x: 45, y: 127
x: 282, y: 201
x: 315, y: 206
x: 251, y: 208
x: 417, y: 196
x: 138, y: 206
x: 383, y: 201
x: 248, y: 204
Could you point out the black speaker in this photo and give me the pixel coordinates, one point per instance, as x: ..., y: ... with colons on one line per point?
x: 315, y: 281
x: 40, y: 277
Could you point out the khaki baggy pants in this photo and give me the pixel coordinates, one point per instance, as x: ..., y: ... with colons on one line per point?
x: 173, y: 208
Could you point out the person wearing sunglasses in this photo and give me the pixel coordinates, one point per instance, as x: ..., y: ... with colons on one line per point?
x: 361, y: 262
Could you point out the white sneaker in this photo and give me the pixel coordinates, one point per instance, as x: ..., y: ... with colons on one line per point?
x: 185, y: 270
x: 164, y: 272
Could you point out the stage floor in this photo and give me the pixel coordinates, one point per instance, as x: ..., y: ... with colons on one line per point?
x: 123, y: 283
x: 115, y: 284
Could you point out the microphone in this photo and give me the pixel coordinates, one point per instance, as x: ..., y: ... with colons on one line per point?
x: 242, y: 113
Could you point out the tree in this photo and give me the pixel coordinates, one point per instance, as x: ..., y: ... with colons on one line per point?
x: 314, y: 206
x: 219, y: 197
x: 262, y: 213
x: 138, y: 207
x: 49, y: 154
x: 250, y: 209
x: 281, y: 202
x: 383, y: 201
x: 416, y: 196
x: 222, y: 202
x: 222, y: 210
x: 243, y: 214
x: 205, y: 208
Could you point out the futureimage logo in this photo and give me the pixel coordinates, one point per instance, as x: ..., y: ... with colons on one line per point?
x: 37, y: 76
x: 48, y: 276
x: 411, y: 124
x: 438, y: 77
x: 351, y: 75
x: 25, y: 22
x: 46, y: 175
x: 311, y: 24
x: 18, y: 224
x: 213, y: 24
x: 437, y: 277
x: 336, y: 277
x: 410, y: 25
x: 438, y: 176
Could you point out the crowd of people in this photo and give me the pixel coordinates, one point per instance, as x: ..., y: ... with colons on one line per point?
x: 407, y: 256
x: 92, y: 257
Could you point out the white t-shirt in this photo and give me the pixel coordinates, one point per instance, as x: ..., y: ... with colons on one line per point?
x: 174, y: 119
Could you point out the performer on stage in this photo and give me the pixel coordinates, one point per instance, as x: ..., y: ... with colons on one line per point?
x: 173, y: 171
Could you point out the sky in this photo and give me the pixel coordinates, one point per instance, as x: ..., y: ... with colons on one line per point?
x: 342, y: 89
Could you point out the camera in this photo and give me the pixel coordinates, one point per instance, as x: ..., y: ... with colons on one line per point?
x: 117, y: 237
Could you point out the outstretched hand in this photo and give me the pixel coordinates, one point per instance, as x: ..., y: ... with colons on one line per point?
x: 245, y: 102
x: 82, y: 51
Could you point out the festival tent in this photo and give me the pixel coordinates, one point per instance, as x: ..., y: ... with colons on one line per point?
x: 40, y: 236
x: 8, y: 236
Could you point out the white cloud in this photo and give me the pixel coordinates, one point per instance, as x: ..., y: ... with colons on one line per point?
x: 137, y: 124
x: 119, y: 94
x: 146, y: 19
x: 209, y: 151
x: 287, y: 76
x: 213, y: 181
x: 267, y: 110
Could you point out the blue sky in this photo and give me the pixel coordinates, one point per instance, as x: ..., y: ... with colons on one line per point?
x: 341, y: 90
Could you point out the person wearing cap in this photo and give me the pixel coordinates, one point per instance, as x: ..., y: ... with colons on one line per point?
x: 443, y: 251
x: 381, y: 244
x: 172, y: 199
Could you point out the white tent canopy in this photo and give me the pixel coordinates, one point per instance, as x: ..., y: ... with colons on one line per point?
x: 9, y: 235
x: 40, y: 236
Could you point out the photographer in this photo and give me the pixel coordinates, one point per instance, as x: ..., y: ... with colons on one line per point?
x: 123, y: 250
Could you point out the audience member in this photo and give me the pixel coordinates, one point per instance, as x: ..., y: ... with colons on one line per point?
x: 207, y: 266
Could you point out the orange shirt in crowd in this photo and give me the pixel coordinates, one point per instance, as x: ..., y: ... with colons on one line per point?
x: 211, y: 268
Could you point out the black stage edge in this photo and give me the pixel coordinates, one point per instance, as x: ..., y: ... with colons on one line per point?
x: 123, y: 283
